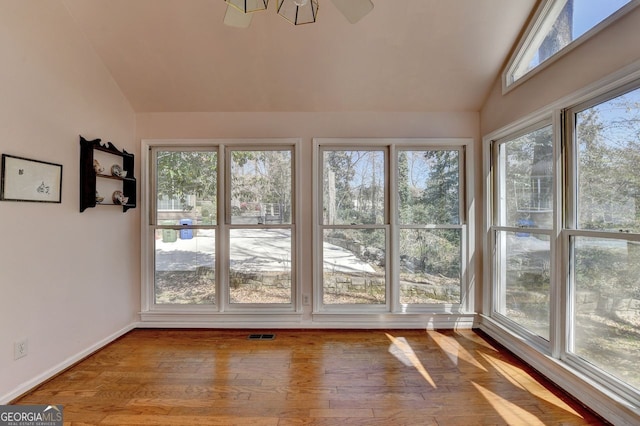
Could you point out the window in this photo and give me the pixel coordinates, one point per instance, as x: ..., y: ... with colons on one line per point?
x: 430, y: 232
x: 522, y: 228
x: 185, y: 198
x: 222, y: 240
x: 603, y: 228
x: 354, y: 215
x: 564, y: 257
x: 391, y: 226
x: 260, y: 197
x: 557, y: 26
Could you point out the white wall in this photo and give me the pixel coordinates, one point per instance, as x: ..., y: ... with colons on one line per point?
x: 68, y: 280
x: 307, y: 126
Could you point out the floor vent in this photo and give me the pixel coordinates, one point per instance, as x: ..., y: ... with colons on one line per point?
x: 261, y: 337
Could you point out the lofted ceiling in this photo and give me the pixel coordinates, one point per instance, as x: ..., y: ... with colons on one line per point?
x: 406, y: 55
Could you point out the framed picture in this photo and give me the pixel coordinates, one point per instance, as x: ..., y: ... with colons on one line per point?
x: 30, y: 180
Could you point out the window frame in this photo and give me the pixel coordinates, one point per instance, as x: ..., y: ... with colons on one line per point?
x: 571, y: 231
x: 533, y: 34
x: 497, y: 224
x: 229, y: 226
x: 149, y: 224
x: 592, y: 386
x: 392, y: 225
x: 148, y: 274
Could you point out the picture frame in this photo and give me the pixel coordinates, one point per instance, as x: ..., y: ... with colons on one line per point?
x: 24, y: 179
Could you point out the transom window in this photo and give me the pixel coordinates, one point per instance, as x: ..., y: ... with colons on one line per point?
x: 558, y: 25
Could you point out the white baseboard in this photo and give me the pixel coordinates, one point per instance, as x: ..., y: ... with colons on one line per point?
x: 41, y: 378
x: 317, y: 321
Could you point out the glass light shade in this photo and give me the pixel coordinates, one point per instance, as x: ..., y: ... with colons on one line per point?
x: 298, y: 15
x: 234, y: 18
x: 248, y: 6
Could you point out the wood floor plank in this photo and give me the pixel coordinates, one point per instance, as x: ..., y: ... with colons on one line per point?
x: 306, y: 377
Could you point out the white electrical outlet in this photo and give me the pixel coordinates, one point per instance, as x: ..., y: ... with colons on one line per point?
x: 20, y: 348
x: 305, y: 299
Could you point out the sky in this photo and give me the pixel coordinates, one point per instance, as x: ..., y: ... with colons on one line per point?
x: 588, y: 13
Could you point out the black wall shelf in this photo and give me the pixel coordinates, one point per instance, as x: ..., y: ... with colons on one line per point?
x: 89, y: 177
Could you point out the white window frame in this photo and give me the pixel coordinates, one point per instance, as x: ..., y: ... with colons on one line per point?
x: 571, y: 230
x: 198, y: 314
x: 227, y: 226
x: 595, y: 388
x: 467, y: 215
x: 544, y: 17
x: 496, y: 224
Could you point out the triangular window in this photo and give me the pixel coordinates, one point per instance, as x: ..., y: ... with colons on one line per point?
x: 558, y: 26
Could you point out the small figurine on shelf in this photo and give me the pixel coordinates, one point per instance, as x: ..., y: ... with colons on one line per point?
x: 99, y: 199
x: 116, y: 170
x: 97, y: 167
x: 119, y: 198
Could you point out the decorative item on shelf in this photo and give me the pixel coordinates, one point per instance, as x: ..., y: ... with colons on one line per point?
x: 92, y: 173
x: 116, y: 170
x: 97, y: 167
x: 119, y: 198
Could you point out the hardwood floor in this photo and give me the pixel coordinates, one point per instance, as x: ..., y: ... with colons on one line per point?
x: 302, y: 377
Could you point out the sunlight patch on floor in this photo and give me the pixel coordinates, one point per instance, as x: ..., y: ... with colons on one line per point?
x: 522, y: 380
x: 510, y: 412
x: 402, y: 350
x: 454, y: 350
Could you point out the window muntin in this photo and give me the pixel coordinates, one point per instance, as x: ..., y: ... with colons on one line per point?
x: 523, y: 221
x: 559, y: 24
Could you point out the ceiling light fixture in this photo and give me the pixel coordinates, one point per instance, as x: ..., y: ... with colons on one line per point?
x: 248, y: 6
x: 298, y: 12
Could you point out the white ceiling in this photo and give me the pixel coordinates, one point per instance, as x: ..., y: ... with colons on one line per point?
x: 406, y: 55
